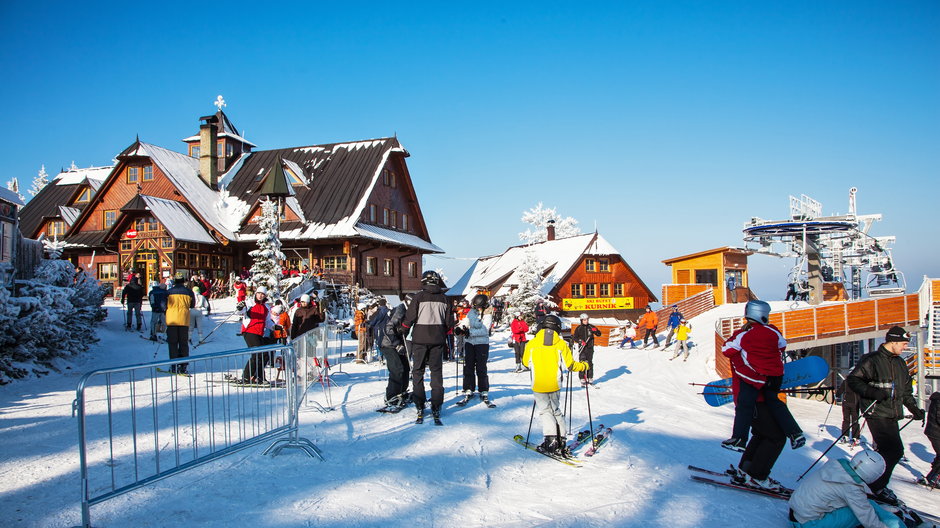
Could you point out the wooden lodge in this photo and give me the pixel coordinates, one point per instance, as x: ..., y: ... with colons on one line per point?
x: 697, y: 272
x: 351, y: 211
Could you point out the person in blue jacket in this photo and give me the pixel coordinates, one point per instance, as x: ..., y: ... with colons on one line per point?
x: 672, y: 324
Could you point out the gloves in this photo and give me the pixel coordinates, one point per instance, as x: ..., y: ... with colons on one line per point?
x: 918, y: 414
x: 881, y: 395
x: 240, y: 306
x: 278, y: 328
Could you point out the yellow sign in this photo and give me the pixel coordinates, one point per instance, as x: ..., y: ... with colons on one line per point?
x: 605, y: 303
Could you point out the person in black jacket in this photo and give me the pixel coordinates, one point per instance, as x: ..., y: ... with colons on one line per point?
x: 133, y: 294
x: 850, y: 410
x: 584, y: 336
x: 881, y: 377
x: 393, y: 345
x: 428, y: 318
x: 157, y: 298
x: 932, y: 430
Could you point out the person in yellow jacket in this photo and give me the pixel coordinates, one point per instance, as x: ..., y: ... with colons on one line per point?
x: 179, y: 300
x: 542, y: 354
x: 682, y: 340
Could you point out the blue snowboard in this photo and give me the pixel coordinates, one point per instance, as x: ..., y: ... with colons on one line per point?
x: 811, y: 369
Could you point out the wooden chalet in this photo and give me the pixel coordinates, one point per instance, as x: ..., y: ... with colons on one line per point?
x: 710, y: 269
x: 352, y: 211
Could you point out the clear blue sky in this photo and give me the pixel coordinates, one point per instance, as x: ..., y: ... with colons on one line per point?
x: 668, y: 124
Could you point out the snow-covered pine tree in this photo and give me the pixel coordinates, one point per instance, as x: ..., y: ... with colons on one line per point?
x: 539, y: 218
x: 266, y: 270
x: 14, y: 185
x: 54, y: 247
x: 529, y: 290
x: 40, y: 181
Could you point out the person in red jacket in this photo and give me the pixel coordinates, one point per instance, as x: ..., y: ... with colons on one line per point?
x: 241, y: 290
x: 756, y: 355
x: 257, y: 326
x: 519, y: 330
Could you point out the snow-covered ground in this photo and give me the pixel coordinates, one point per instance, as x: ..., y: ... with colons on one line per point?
x: 384, y: 470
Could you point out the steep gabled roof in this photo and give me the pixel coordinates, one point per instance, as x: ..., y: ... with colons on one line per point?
x: 723, y: 249
x: 53, y: 201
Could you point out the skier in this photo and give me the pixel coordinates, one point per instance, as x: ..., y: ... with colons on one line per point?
x: 849, y: 414
x: 629, y: 335
x: 157, y: 299
x: 197, y: 315
x: 133, y: 294
x: 394, y: 348
x: 541, y: 310
x: 763, y: 449
x: 674, y: 318
x: 359, y: 321
x: 256, y: 329
x: 584, y: 336
x: 649, y: 322
x: 429, y: 317
x: 241, y: 290
x: 498, y: 306
x: 306, y: 318
x: 475, y: 328
x: 682, y: 340
x: 932, y: 430
x: 882, y: 377
x: 543, y: 353
x: 179, y: 301
x: 836, y: 496
x: 756, y: 354
x: 519, y: 329
x: 376, y: 323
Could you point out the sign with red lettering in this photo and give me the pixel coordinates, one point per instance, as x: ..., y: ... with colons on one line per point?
x: 131, y: 233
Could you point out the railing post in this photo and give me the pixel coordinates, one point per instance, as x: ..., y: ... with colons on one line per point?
x: 845, y: 317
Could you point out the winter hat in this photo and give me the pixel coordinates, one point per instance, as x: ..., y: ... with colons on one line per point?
x: 277, y: 309
x: 897, y: 334
x: 305, y: 298
x: 179, y: 281
x: 262, y: 289
x: 196, y: 289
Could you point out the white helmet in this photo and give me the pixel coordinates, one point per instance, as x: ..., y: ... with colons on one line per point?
x: 305, y: 298
x: 262, y: 289
x: 583, y: 316
x: 869, y: 465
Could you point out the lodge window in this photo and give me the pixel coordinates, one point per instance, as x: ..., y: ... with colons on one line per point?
x: 204, y: 261
x: 412, y: 269
x: 618, y: 289
x: 394, y: 219
x: 335, y: 263
x: 575, y: 290
x: 107, y: 272
x: 181, y: 259
x: 194, y: 151
x: 590, y: 290
x: 706, y: 276
x: 55, y: 228
x: 385, y: 176
x: 605, y: 290
x: 372, y: 265
x: 132, y: 173
x: 146, y: 223
x: 372, y: 213
x: 219, y: 149
x: 193, y: 260
x: 603, y: 265
x: 84, y: 196
x: 215, y: 261
x: 127, y: 245
x: 294, y: 178
x: 166, y: 243
x: 109, y: 218
x: 589, y: 264
x: 148, y: 173
x: 385, y: 216
x: 229, y: 149
x: 404, y: 222
x: 388, y: 267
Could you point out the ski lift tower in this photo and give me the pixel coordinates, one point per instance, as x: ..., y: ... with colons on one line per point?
x: 828, y: 249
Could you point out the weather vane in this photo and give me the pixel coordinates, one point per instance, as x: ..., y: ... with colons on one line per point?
x: 219, y: 102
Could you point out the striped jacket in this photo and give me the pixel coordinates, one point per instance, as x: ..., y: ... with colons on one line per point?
x: 429, y: 317
x: 756, y: 352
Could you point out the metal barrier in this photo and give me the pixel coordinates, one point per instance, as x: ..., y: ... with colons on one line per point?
x: 142, y: 423
x: 314, y: 350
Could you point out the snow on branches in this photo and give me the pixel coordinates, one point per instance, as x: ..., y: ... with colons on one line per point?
x: 14, y: 185
x: 54, y: 247
x: 528, y: 291
x: 40, y: 181
x: 266, y: 271
x: 539, y: 218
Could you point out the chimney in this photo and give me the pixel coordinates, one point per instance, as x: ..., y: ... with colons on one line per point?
x: 551, y: 230
x: 208, y: 159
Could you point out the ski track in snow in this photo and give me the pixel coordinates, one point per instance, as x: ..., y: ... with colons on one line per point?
x: 382, y: 469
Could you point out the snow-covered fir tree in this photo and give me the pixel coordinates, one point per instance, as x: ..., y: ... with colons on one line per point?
x: 266, y: 270
x: 54, y: 247
x: 529, y: 290
x: 40, y: 181
x: 539, y: 217
x: 14, y: 185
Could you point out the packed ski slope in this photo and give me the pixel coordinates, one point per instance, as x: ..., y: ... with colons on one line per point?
x: 381, y: 469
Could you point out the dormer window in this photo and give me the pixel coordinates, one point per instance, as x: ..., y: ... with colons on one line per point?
x: 194, y: 151
x: 133, y: 174
x: 84, y: 196
x: 148, y: 173
x: 294, y: 178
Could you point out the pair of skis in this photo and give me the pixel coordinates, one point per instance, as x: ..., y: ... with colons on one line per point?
x: 601, y: 438
x: 469, y: 396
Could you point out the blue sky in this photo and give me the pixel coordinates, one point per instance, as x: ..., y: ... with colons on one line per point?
x: 666, y: 124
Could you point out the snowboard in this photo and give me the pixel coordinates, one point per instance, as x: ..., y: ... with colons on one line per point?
x: 811, y: 369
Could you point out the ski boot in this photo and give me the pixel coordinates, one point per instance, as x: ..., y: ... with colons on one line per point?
x: 887, y: 496
x: 767, y: 484
x: 420, y: 416
x: 548, y: 446
x: 561, y: 448
x: 436, y: 415
x: 797, y: 440
x: 735, y: 444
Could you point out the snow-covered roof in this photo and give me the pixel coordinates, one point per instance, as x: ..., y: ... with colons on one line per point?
x: 69, y: 214
x: 10, y: 196
x: 95, y: 175
x: 558, y: 256
x: 395, y: 237
x: 178, y: 220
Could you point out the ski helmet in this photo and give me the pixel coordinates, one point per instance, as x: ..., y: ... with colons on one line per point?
x: 431, y: 277
x: 480, y: 301
x: 583, y: 316
x: 552, y: 322
x: 758, y: 311
x: 868, y: 464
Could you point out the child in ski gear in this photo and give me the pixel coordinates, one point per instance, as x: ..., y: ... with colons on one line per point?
x: 394, y: 349
x: 584, y: 336
x: 428, y: 318
x: 629, y: 335
x: 240, y: 291
x: 648, y: 324
x: 932, y: 430
x: 543, y: 353
x: 475, y: 328
x: 850, y: 425
x: 196, y: 315
x: 157, y: 299
x: 756, y: 354
x: 281, y: 321
x: 682, y: 339
x: 179, y: 301
x: 672, y: 324
x: 882, y: 376
x: 836, y: 496
x: 519, y: 330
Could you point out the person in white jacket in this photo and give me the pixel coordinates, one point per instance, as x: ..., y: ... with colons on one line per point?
x: 475, y: 328
x: 836, y: 496
x: 197, y: 315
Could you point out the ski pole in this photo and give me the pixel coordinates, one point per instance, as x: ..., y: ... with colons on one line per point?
x: 587, y: 394
x: 203, y: 340
x: 531, y: 417
x: 833, y: 443
x: 905, y: 425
